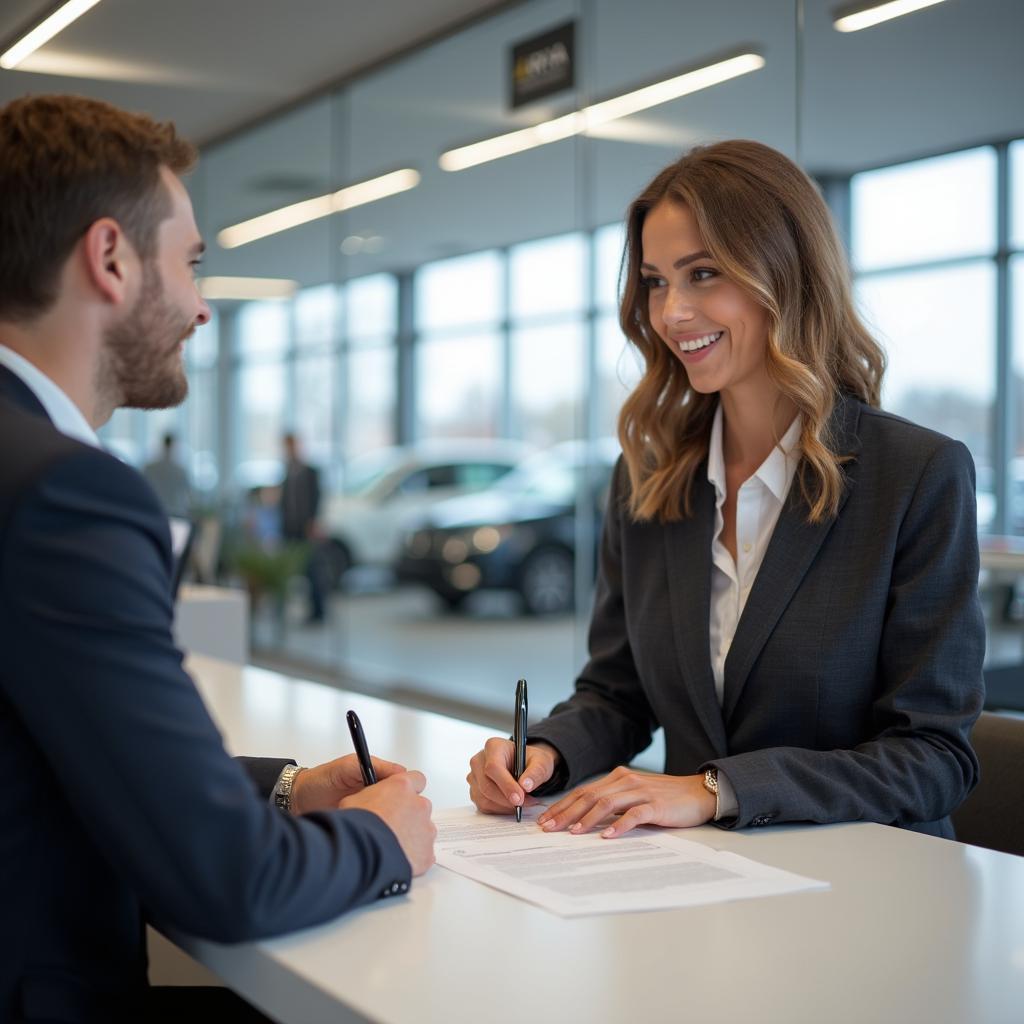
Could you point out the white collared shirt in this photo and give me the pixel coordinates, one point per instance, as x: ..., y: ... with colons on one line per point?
x: 66, y: 416
x: 758, y: 505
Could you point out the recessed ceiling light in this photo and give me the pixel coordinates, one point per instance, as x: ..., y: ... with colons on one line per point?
x: 865, y: 17
x: 322, y: 206
x: 44, y: 31
x: 580, y: 121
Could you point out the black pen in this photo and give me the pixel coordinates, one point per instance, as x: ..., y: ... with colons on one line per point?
x: 519, y: 737
x: 362, y: 751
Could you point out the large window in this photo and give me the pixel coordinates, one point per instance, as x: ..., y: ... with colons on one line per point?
x: 924, y: 239
x: 459, y: 308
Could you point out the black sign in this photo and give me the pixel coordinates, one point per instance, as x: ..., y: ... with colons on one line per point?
x: 543, y: 65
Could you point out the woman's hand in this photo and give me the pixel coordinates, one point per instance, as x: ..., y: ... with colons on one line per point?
x: 491, y: 785
x: 675, y: 801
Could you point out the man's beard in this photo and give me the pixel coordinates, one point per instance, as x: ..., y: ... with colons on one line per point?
x: 141, y: 367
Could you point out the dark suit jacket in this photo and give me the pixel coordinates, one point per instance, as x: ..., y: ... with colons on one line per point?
x: 300, y: 500
x: 854, y: 676
x: 118, y: 798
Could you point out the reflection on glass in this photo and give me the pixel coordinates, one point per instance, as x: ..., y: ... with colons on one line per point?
x: 263, y: 329
x: 548, y: 276
x: 314, y: 404
x: 934, y: 209
x: 938, y: 330
x: 1017, y: 194
x: 457, y: 386
x: 459, y: 292
x: 203, y: 426
x: 371, y: 386
x: 609, y: 243
x: 372, y: 306
x: 316, y: 312
x: 261, y: 423
x: 619, y: 369
x: 201, y: 349
x: 1015, y: 484
x: 547, y: 382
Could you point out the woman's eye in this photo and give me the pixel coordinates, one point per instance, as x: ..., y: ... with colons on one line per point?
x: 703, y: 273
x: 650, y: 281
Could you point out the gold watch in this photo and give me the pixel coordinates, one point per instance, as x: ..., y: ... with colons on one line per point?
x: 711, y: 781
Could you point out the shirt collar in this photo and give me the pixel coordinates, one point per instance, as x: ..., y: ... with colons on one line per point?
x: 64, y: 414
x: 776, y: 472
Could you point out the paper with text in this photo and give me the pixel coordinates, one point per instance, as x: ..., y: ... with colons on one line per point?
x: 647, y: 869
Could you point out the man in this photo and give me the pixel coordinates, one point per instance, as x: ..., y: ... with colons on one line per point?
x: 169, y: 480
x: 118, y: 798
x: 300, y: 503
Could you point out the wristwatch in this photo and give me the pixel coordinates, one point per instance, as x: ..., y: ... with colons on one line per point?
x: 711, y: 785
x: 283, y: 789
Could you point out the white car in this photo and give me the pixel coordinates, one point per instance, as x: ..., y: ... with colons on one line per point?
x: 364, y: 525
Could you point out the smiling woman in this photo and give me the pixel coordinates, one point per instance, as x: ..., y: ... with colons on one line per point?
x: 788, y: 576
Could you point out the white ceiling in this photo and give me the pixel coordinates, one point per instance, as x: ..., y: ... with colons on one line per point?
x: 213, y: 65
x: 947, y: 77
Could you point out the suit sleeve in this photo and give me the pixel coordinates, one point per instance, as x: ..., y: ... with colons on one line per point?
x: 608, y: 720
x: 919, y: 765
x: 94, y: 674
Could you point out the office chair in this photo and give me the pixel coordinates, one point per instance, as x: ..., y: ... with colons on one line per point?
x: 993, y: 815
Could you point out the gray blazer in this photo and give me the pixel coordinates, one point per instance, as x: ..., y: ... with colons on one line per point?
x: 854, y: 676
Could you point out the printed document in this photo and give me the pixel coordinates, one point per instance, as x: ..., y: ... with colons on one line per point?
x: 646, y: 869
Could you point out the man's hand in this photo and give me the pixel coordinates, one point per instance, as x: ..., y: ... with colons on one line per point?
x: 640, y: 798
x: 491, y: 785
x: 397, y: 802
x: 324, y: 787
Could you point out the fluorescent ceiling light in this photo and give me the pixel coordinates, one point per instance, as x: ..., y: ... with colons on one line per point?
x: 322, y: 206
x: 245, y: 288
x: 580, y: 121
x: 878, y: 13
x: 45, y: 31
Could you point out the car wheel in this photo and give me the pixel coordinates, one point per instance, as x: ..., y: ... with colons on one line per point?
x: 337, y: 560
x: 453, y: 600
x: 547, y: 580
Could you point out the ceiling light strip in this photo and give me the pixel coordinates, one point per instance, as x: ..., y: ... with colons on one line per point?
x: 45, y: 31
x: 878, y: 13
x: 322, y: 206
x: 581, y: 121
x: 247, y: 288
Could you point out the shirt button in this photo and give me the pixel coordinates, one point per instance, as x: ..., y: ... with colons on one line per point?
x: 746, y: 548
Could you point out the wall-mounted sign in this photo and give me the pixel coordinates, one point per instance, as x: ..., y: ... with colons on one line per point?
x: 543, y: 65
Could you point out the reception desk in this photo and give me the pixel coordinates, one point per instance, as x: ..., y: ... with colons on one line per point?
x: 913, y: 929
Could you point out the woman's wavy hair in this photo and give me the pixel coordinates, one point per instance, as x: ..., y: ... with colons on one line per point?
x: 768, y: 228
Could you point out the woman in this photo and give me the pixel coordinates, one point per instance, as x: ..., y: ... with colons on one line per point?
x: 788, y: 576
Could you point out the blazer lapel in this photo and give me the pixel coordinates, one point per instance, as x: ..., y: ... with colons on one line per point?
x: 688, y: 557
x: 793, y: 547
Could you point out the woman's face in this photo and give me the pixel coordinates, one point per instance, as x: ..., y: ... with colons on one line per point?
x: 714, y: 327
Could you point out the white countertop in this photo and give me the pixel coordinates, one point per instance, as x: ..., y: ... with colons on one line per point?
x: 913, y: 929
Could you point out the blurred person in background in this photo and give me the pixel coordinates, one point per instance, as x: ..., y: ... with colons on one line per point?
x: 300, y: 506
x: 169, y: 478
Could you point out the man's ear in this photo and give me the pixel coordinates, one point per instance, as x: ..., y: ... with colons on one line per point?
x: 110, y: 260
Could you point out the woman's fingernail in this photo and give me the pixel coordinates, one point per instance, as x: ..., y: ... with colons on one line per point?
x: 515, y: 798
x: 608, y: 833
x: 527, y: 784
x: 576, y: 828
x: 548, y: 825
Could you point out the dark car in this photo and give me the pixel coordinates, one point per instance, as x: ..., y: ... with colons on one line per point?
x: 519, y: 534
